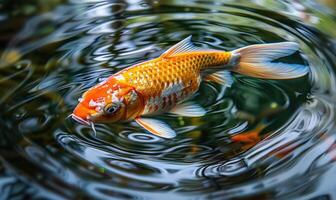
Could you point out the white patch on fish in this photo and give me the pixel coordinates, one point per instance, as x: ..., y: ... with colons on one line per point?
x: 166, y: 99
x: 100, y: 102
x: 109, y: 91
x: 119, y: 77
x: 133, y: 96
x: 172, y: 88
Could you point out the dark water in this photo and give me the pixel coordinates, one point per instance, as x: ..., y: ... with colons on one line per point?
x: 261, y: 139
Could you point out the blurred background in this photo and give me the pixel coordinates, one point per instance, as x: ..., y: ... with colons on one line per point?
x: 260, y: 139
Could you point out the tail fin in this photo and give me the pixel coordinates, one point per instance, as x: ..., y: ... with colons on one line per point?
x: 255, y: 61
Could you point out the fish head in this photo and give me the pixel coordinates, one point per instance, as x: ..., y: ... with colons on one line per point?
x: 109, y: 101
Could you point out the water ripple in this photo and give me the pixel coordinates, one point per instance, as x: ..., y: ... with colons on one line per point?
x: 285, y: 129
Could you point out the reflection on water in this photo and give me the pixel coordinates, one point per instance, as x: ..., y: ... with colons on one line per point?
x: 260, y: 138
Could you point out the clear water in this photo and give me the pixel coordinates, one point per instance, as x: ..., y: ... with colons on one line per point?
x: 261, y: 139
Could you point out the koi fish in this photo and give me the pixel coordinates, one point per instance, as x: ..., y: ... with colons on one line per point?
x: 164, y: 84
x: 249, y: 137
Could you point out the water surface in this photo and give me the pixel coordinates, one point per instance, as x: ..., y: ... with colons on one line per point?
x: 260, y: 139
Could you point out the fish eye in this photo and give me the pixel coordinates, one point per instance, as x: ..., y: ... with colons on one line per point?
x: 111, y: 108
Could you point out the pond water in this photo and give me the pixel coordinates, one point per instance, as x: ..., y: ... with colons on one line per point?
x: 260, y: 139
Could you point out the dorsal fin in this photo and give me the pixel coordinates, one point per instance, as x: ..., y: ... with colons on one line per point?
x: 182, y: 47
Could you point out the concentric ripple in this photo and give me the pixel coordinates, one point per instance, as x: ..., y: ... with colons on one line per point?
x: 259, y: 138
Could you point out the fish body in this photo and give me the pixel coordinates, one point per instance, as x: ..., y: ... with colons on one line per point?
x: 165, y: 81
x: 161, y: 84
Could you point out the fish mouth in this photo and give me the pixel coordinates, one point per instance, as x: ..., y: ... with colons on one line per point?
x: 80, y: 120
x: 84, y: 122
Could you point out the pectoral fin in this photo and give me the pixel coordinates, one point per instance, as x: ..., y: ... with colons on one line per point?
x: 188, y: 109
x: 156, y: 127
x: 221, y: 77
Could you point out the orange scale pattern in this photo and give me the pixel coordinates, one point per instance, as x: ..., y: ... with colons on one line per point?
x: 163, y: 82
